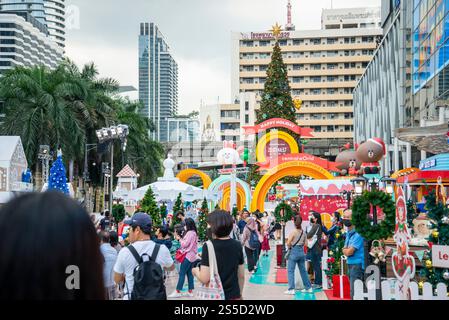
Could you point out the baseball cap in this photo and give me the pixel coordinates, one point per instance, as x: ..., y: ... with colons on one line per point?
x: 139, y: 219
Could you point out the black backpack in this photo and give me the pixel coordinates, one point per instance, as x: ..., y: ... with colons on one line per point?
x: 148, y: 277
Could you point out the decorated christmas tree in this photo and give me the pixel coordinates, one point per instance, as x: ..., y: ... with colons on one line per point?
x: 438, y: 214
x: 276, y: 101
x: 335, y: 254
x: 149, y: 206
x: 58, y: 180
x: 163, y: 211
x: 176, y: 208
x: 202, y: 218
x: 235, y: 212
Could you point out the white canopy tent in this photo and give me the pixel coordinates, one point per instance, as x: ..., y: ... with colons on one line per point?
x: 167, y: 188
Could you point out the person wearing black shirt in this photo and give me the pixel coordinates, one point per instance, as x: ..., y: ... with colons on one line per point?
x: 105, y: 223
x: 229, y: 255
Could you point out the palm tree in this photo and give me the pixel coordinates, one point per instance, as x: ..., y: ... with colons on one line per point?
x: 36, y: 109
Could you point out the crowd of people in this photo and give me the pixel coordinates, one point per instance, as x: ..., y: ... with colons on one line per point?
x: 54, y: 226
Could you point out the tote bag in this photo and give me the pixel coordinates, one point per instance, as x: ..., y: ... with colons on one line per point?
x: 214, y: 289
x: 311, y: 242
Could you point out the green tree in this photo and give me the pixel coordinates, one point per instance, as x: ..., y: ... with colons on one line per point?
x: 276, y: 101
x: 202, y: 220
x: 118, y: 212
x: 149, y: 206
x: 177, y: 208
x: 163, y: 210
x: 438, y: 214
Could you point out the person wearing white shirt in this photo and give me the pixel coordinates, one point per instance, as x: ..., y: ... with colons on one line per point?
x: 139, y: 235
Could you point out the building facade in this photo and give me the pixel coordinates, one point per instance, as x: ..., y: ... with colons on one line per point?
x: 55, y: 15
x: 34, y: 7
x: 323, y: 68
x: 183, y: 129
x: 158, y: 80
x: 403, y: 96
x: 22, y: 43
x: 220, y: 122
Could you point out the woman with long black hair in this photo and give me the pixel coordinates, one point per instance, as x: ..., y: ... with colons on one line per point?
x: 189, y: 250
x: 49, y: 250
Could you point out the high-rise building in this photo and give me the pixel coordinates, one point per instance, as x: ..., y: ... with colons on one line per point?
x: 403, y: 97
x: 55, y: 15
x: 24, y: 42
x: 158, y: 80
x: 36, y: 8
x: 50, y: 13
x: 323, y: 69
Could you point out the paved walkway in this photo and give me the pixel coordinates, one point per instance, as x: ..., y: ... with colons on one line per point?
x: 259, y: 286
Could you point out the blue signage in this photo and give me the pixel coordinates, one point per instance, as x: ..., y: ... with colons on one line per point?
x: 427, y: 164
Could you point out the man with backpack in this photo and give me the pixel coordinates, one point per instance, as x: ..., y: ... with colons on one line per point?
x: 140, y: 265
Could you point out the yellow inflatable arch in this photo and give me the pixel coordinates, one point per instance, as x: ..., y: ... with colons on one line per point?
x: 292, y: 168
x: 186, y: 174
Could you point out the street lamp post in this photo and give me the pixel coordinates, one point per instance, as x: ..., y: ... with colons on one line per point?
x: 45, y: 156
x: 119, y: 132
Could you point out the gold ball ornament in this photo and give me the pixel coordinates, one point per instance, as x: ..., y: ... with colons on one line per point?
x: 435, y: 234
x: 428, y: 264
x: 337, y: 235
x: 331, y: 253
x: 420, y: 284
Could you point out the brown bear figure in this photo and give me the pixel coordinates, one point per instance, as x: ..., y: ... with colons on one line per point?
x: 370, y: 153
x: 349, y: 163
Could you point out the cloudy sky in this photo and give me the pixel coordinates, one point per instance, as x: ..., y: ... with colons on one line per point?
x: 198, y: 32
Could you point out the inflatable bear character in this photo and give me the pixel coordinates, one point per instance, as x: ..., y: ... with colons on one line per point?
x: 349, y: 163
x: 370, y: 153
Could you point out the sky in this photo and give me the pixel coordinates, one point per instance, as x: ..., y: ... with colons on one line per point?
x: 198, y: 32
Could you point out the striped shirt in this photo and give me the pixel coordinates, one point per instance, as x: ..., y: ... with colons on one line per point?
x: 189, y: 244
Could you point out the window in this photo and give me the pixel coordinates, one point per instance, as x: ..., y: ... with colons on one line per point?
x: 246, y: 118
x: 317, y: 128
x: 315, y: 79
x: 298, y: 67
x: 332, y: 40
x: 298, y: 79
x: 367, y: 39
x: 315, y: 91
x: 297, y: 42
x: 264, y: 43
x: 330, y: 128
x: 316, y: 54
x: 364, y: 64
x: 331, y: 91
x: 315, y: 104
x: 263, y: 68
x: 297, y: 92
x: 248, y: 80
x: 248, y: 68
x: 332, y: 104
x: 332, y: 78
x: 315, y: 41
x: 348, y: 103
x: 348, y: 128
x: 282, y: 42
x: 316, y: 66
x: 348, y: 115
x: 332, y: 53
x: 349, y: 78
x: 349, y: 53
x: 349, y: 65
x: 350, y: 40
x: 246, y: 105
x: 230, y: 126
x: 332, y: 66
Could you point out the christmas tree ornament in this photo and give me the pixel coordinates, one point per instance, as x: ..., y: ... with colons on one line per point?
x: 428, y: 264
x: 446, y: 275
x: 445, y: 220
x: 420, y: 284
x: 280, y: 103
x: 435, y: 234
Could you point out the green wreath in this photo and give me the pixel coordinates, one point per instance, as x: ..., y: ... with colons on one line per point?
x: 288, y: 212
x: 361, y: 210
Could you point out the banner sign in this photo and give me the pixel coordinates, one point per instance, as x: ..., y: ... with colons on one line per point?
x: 328, y: 165
x: 275, y: 148
x: 440, y: 256
x: 278, y: 123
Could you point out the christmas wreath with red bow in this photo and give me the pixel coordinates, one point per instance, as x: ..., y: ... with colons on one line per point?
x: 361, y: 209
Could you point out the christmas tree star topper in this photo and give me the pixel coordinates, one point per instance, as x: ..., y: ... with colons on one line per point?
x: 277, y: 29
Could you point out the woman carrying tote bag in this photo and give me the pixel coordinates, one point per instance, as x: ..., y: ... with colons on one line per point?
x: 222, y: 270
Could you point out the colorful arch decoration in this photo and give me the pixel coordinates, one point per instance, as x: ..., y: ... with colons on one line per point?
x: 281, y: 135
x: 226, y: 199
x: 186, y: 174
x: 245, y: 195
x: 292, y: 168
